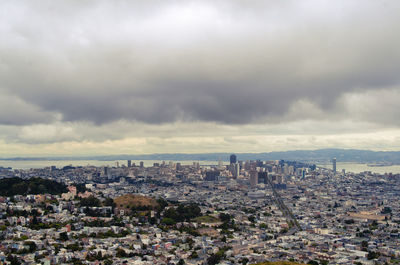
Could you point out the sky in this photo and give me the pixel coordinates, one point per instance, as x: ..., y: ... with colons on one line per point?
x: 85, y: 77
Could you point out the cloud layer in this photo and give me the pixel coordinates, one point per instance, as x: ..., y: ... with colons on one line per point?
x: 69, y: 69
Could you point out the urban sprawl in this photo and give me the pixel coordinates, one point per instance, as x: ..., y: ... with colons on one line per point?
x: 244, y: 212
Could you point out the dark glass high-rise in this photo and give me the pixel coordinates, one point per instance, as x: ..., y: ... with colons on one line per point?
x: 233, y: 159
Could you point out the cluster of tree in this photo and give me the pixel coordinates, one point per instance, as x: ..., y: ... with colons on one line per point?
x: 101, y: 223
x: 74, y: 247
x: 365, y: 233
x: 36, y: 225
x: 13, y: 260
x: 386, y: 210
x: 373, y: 255
x: 122, y: 254
x: 90, y: 201
x: 181, y: 213
x: 80, y: 187
x: 110, y: 233
x: 249, y: 210
x: 140, y: 208
x: 349, y: 221
x: 24, y: 213
x: 98, y: 256
x: 96, y: 212
x: 18, y: 186
x: 31, y: 247
x: 189, y: 230
x: 109, y: 202
x: 217, y: 257
x: 227, y: 223
x: 161, y: 204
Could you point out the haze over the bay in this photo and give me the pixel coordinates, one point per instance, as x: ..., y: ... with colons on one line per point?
x: 139, y: 77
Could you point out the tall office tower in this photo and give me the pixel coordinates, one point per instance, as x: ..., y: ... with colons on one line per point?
x: 178, y: 166
x: 246, y: 165
x: 129, y: 163
x: 253, y: 178
x: 237, y: 170
x: 334, y: 165
x: 234, y: 169
x: 117, y: 164
x: 262, y: 177
x: 291, y: 170
x: 141, y: 164
x: 279, y: 178
x: 232, y: 159
x: 220, y: 163
x: 285, y: 169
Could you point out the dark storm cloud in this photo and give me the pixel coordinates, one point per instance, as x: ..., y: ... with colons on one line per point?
x: 190, y: 61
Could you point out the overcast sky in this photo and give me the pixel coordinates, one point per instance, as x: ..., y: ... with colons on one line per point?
x: 83, y: 77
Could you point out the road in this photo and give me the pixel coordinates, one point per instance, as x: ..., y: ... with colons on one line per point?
x: 291, y: 220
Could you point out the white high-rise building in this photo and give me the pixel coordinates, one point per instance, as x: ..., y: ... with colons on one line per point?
x: 334, y: 165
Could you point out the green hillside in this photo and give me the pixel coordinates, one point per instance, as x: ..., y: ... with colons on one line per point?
x: 18, y: 186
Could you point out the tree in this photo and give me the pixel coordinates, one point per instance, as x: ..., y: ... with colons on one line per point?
x: 171, y: 213
x: 120, y: 253
x: 213, y: 259
x: 244, y: 261
x: 224, y: 217
x: 109, y: 202
x: 162, y: 204
x: 168, y: 221
x: 386, y: 210
x: 108, y: 262
x: 76, y: 261
x: 216, y: 258
x: 252, y: 218
x: 372, y: 255
x: 349, y: 221
x: 13, y: 260
x: 63, y: 236
x: 194, y: 255
x: 90, y: 202
x: 181, y: 262
x: 364, y: 245
x: 32, y: 246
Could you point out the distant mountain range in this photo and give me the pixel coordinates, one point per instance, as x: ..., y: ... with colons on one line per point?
x: 313, y: 156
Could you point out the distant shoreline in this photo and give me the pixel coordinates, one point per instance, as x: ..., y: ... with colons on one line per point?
x: 320, y: 156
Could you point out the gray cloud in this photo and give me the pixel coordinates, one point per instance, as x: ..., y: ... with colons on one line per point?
x: 168, y: 61
x: 15, y: 111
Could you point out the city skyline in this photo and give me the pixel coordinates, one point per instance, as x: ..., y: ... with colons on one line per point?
x: 97, y: 78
